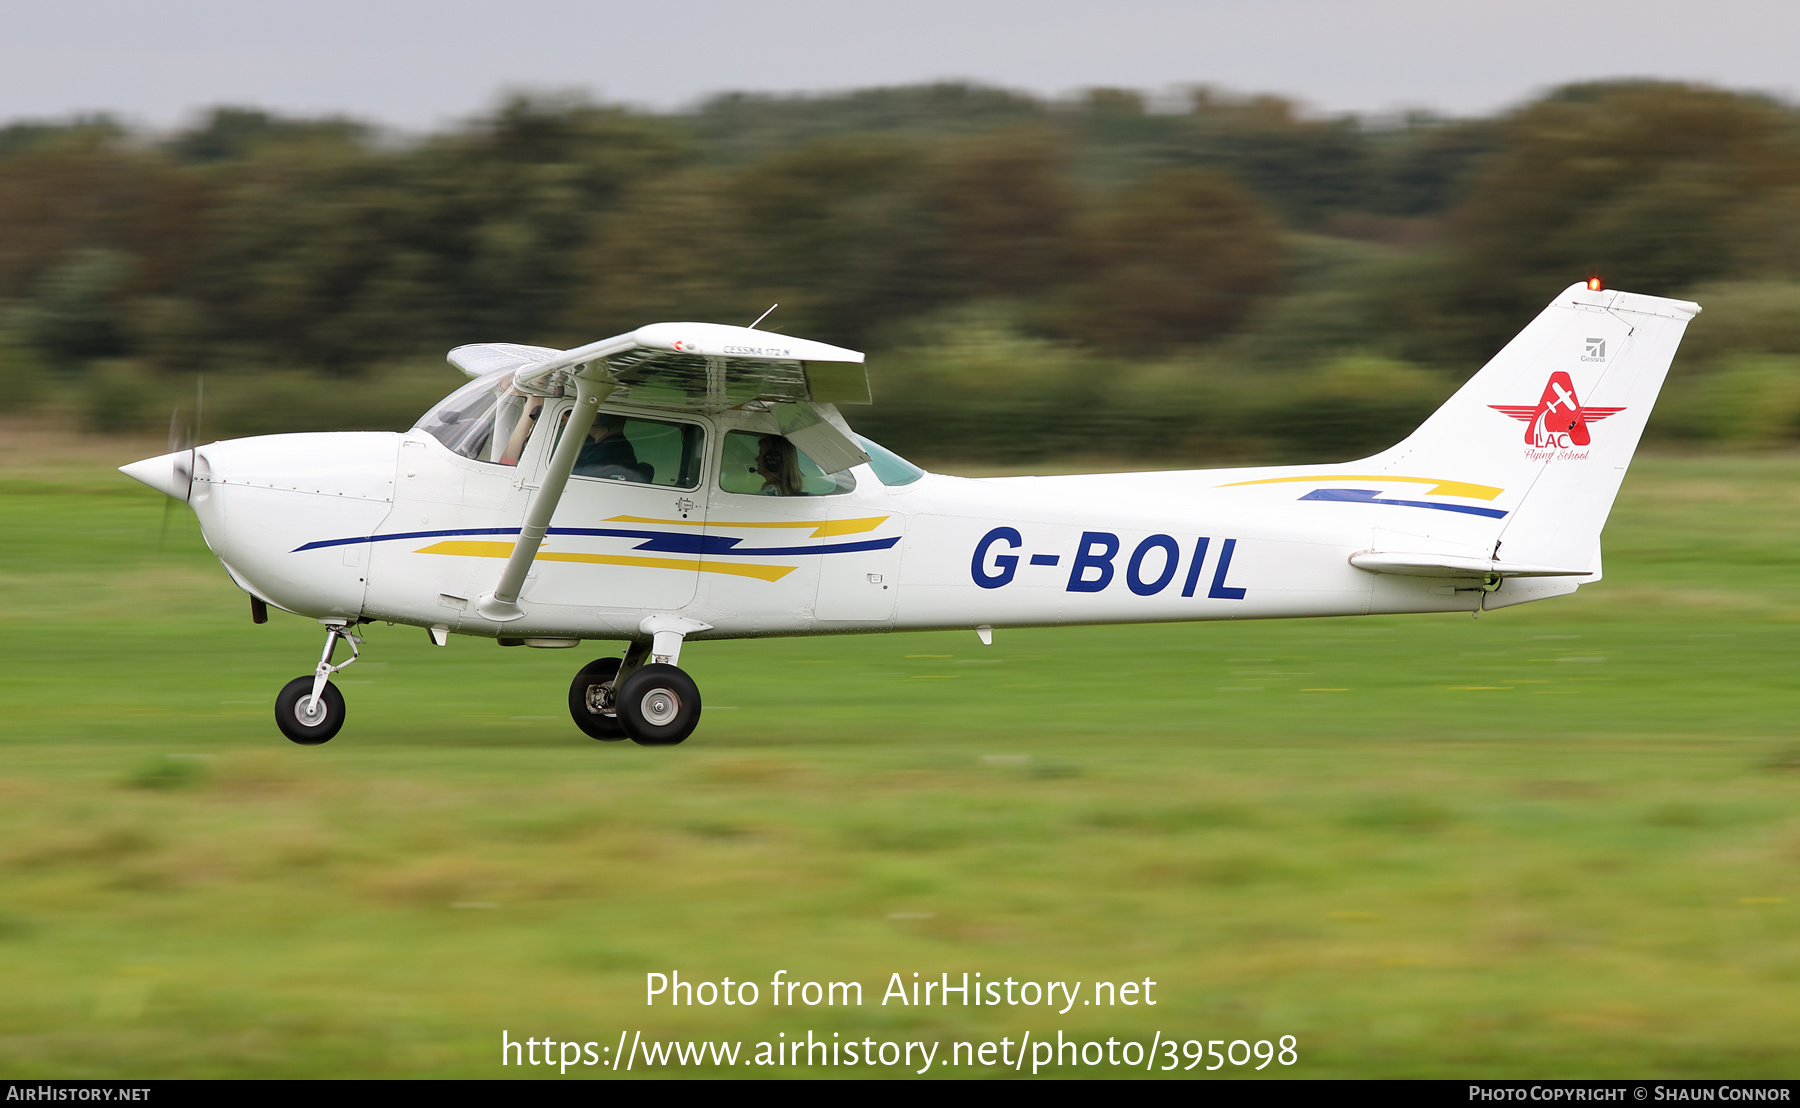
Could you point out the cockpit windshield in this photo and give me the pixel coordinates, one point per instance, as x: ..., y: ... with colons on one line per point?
x: 890, y: 468
x: 487, y: 419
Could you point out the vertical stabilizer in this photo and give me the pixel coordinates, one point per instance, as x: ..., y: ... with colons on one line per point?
x: 1554, y: 420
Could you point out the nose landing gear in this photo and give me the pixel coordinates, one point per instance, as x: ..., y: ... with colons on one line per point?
x: 310, y: 710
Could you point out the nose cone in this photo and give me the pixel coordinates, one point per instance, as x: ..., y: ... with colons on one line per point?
x: 170, y: 474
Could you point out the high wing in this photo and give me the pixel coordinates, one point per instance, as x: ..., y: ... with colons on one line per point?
x: 707, y: 366
x: 691, y: 366
x: 482, y: 358
x: 704, y: 366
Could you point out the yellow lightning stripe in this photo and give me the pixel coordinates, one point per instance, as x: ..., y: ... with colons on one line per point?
x: 822, y: 529
x: 468, y: 549
x: 1444, y: 488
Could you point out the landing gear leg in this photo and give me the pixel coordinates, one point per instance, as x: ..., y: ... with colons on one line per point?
x: 636, y: 654
x: 310, y: 710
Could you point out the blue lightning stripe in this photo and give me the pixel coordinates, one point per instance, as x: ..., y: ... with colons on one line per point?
x: 604, y: 531
x: 322, y: 543
x: 675, y: 544
x: 1369, y: 496
x: 661, y: 542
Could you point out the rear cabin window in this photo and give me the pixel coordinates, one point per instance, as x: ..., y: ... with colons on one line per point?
x: 643, y: 451
x: 770, y: 465
x: 487, y: 419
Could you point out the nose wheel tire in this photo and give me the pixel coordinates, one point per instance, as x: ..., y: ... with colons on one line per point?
x: 304, y: 721
x: 591, y: 701
x: 658, y: 705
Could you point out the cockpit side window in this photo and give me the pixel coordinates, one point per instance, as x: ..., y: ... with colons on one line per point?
x: 487, y: 420
x: 644, y: 451
x: 770, y: 465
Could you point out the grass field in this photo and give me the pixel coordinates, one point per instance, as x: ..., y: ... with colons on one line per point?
x: 1561, y: 840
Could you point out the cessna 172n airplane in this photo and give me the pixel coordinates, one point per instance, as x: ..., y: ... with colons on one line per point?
x: 692, y: 481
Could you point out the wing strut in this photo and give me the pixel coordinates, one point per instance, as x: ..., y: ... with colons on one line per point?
x: 502, y: 605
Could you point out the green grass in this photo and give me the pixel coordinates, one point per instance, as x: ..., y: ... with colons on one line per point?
x: 1560, y: 840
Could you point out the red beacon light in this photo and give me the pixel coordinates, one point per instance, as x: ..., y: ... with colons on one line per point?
x: 1593, y: 284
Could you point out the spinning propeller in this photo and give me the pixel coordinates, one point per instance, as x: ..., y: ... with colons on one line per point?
x: 183, y: 441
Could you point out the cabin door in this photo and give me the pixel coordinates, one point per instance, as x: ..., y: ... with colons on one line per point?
x: 630, y: 526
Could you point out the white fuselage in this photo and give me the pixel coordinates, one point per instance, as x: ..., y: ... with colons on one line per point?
x: 396, y: 527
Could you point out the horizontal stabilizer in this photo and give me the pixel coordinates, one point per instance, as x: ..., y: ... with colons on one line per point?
x: 1444, y: 565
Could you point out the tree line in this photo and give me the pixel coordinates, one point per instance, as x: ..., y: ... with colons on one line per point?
x: 1227, y: 276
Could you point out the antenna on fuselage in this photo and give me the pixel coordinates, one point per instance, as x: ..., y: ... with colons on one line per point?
x: 765, y: 315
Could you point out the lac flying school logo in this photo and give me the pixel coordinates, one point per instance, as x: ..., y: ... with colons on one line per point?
x: 1558, y: 420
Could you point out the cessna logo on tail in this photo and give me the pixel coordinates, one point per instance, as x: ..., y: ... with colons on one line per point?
x: 1558, y: 419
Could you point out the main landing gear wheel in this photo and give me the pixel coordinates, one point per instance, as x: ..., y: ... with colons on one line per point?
x: 658, y: 705
x: 591, y: 700
x: 304, y: 721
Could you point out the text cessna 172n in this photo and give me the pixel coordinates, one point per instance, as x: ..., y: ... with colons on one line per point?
x: 696, y: 481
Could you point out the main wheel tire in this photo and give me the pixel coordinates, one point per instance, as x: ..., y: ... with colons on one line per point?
x: 658, y: 705
x: 591, y: 700
x: 295, y: 716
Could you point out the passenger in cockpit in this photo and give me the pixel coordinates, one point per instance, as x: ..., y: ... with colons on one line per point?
x: 778, y: 464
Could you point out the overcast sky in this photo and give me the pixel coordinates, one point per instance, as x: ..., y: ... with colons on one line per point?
x: 419, y: 65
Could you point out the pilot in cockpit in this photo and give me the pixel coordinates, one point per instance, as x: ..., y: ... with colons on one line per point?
x: 608, y: 453
x: 522, y: 425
